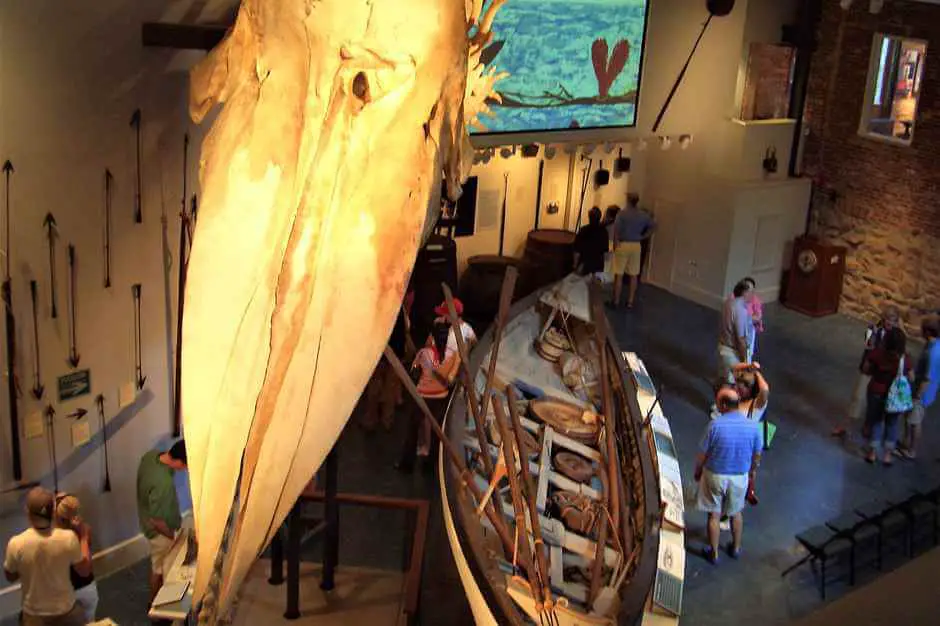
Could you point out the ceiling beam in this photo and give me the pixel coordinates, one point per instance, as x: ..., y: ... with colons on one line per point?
x: 181, y: 36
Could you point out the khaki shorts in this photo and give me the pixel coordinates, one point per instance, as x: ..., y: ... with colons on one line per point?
x: 727, y: 360
x: 627, y: 258
x: 720, y: 493
x: 159, y: 548
x: 916, y: 416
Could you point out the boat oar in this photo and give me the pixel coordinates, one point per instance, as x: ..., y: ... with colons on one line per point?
x: 495, y: 517
x: 518, y: 506
x: 479, y: 416
x: 540, y: 559
x: 505, y: 301
x: 600, y: 330
x: 499, y: 473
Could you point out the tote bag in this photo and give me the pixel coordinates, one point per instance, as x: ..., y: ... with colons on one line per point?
x: 900, y: 398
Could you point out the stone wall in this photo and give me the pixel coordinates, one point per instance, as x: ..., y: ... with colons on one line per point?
x: 882, y: 201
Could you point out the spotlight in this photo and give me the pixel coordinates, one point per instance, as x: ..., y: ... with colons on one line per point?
x: 570, y: 148
x: 507, y: 151
x: 588, y: 150
x: 549, y: 152
x: 875, y: 6
x: 530, y: 150
x: 846, y: 4
x: 609, y: 147
x: 641, y: 144
x: 685, y: 141
x: 665, y: 143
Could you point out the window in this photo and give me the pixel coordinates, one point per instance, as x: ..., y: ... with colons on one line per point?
x: 894, y: 77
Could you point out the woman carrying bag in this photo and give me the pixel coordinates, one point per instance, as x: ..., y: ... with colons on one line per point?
x: 889, y: 395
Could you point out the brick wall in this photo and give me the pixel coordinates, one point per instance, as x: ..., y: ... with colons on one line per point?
x: 881, y: 201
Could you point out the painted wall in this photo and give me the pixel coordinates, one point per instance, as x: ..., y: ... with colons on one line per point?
x: 71, y: 74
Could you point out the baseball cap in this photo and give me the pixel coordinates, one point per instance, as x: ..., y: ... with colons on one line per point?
x: 442, y: 308
x: 40, y: 503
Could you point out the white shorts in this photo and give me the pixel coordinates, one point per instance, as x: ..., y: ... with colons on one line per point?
x: 159, y: 549
x: 721, y: 493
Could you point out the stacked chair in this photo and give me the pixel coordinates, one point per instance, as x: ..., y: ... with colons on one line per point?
x: 880, y: 527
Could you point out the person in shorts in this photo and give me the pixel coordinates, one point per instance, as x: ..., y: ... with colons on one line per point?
x: 158, y: 508
x: 726, y: 466
x: 631, y: 227
x: 926, y: 383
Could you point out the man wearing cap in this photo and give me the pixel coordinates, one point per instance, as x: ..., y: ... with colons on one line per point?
x: 451, y: 355
x: 730, y: 453
x: 158, y: 508
x: 41, y: 559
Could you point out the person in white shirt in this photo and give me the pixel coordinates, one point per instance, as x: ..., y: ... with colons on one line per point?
x: 451, y: 356
x: 41, y: 558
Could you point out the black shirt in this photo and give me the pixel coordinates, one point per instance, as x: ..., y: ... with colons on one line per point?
x: 397, y: 339
x: 591, y: 243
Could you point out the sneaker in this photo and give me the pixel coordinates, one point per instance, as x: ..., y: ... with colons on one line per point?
x: 733, y: 552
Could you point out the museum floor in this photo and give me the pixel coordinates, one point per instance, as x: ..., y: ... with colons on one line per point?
x: 806, y: 479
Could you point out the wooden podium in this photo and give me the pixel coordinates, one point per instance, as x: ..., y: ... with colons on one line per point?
x: 815, y: 282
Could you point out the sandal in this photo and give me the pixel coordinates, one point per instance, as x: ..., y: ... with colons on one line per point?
x: 710, y: 555
x: 871, y: 458
x: 734, y: 553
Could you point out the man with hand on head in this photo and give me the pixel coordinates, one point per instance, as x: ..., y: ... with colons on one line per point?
x: 726, y: 466
x: 41, y: 559
x: 158, y: 508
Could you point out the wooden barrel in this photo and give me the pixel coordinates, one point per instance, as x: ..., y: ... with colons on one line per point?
x: 436, y: 263
x: 550, y: 253
x: 481, y: 284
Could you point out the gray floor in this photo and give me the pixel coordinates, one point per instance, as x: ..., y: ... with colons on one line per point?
x: 806, y: 478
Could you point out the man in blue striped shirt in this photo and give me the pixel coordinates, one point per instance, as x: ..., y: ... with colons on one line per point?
x: 727, y: 463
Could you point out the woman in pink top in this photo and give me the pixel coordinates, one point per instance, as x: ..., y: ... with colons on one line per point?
x: 756, y: 308
x: 435, y: 374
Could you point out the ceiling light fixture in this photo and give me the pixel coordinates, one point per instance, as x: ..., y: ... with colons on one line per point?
x: 685, y: 141
x: 665, y: 143
x: 875, y: 6
x: 846, y: 4
x: 550, y: 152
x: 641, y: 144
x: 507, y: 151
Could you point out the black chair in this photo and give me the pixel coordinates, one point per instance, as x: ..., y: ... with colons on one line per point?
x: 918, y: 508
x: 888, y: 519
x: 858, y: 532
x: 822, y: 545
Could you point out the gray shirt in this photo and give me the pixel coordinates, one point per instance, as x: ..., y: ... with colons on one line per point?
x: 632, y: 224
x: 735, y: 322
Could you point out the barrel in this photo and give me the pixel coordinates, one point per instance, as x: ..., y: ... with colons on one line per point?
x: 480, y: 286
x: 436, y: 263
x: 550, y: 254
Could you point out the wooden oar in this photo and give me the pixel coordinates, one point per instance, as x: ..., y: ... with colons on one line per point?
x: 518, y: 505
x: 479, y: 416
x: 600, y: 330
x: 540, y: 559
x: 495, y: 518
x: 505, y: 301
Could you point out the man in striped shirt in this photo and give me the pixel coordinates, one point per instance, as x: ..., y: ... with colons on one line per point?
x: 729, y: 456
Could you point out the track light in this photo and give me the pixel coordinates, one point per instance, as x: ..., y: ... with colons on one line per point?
x: 641, y: 144
x: 507, y: 151
x: 609, y: 147
x: 685, y: 141
x: 665, y: 143
x: 846, y: 4
x: 549, y: 152
x: 875, y: 6
x: 588, y: 150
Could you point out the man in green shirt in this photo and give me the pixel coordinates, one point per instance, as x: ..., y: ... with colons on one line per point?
x: 157, y: 506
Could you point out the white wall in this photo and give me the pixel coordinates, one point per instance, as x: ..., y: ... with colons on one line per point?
x: 71, y: 74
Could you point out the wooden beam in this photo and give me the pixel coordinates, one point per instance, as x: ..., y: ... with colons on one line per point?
x: 182, y: 36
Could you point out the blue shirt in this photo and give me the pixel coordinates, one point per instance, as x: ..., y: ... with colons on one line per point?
x: 928, y: 370
x: 730, y: 443
x: 632, y: 224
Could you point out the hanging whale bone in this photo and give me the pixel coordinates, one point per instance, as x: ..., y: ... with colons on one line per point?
x: 298, y: 257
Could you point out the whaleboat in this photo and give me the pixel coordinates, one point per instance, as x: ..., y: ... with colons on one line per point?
x: 586, y: 528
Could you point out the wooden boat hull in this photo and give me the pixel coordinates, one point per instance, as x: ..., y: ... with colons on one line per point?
x: 493, y: 597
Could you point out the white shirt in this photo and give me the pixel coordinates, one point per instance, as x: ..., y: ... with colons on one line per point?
x: 469, y: 337
x: 43, y: 558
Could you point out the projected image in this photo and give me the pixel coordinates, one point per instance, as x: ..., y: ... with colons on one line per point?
x: 571, y: 64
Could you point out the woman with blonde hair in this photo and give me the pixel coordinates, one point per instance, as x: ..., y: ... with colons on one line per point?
x: 68, y: 517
